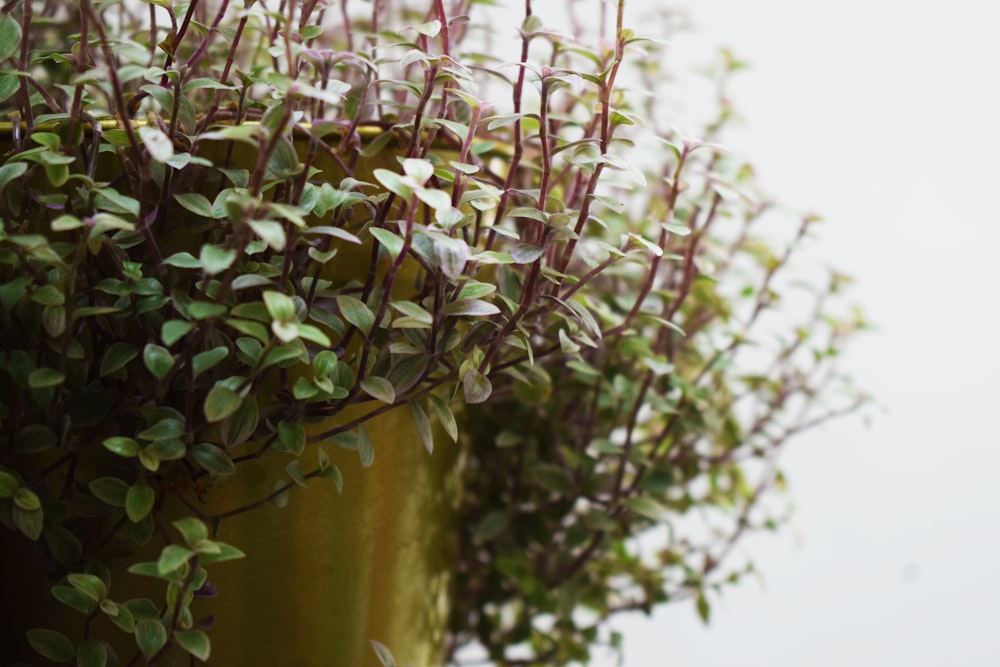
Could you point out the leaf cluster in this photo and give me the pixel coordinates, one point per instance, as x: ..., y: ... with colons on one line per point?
x: 241, y: 232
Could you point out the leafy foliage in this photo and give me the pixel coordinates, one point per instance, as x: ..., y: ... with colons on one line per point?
x: 204, y: 251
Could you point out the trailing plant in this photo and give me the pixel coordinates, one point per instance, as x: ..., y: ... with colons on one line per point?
x: 203, y: 263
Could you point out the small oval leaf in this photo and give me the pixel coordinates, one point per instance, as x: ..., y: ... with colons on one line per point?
x: 139, y: 502
x: 220, y: 403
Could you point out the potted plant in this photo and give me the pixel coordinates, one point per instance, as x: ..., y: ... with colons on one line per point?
x: 252, y: 247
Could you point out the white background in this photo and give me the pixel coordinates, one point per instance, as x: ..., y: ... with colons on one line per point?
x: 880, y: 115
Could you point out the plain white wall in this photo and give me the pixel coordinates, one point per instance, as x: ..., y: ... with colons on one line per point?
x: 879, y: 115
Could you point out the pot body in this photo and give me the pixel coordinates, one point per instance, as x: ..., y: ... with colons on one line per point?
x: 330, y: 572
x: 324, y: 575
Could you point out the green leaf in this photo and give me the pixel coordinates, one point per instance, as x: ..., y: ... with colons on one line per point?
x: 423, y: 424
x: 438, y: 200
x: 393, y: 182
x: 226, y: 552
x: 413, y: 314
x: 194, y: 642
x: 384, y: 654
x: 375, y: 146
x: 119, y: 615
x: 314, y: 334
x: 241, y: 425
x: 253, y: 329
x: 91, y: 311
x: 500, y: 121
x: 379, y: 389
x: 476, y: 290
x: 75, y: 599
x: 35, y: 438
x: 110, y: 490
x: 56, y: 172
x: 173, y: 330
x: 10, y: 40
x: 366, y: 450
x: 418, y: 169
x: 203, y: 310
x: 526, y: 254
x: 676, y: 228
x: 220, y: 403
x: 172, y: 557
x: 279, y: 306
x: 117, y: 357
x: 10, y: 83
x: 30, y: 523
x: 429, y: 29
x: 8, y: 484
x: 248, y: 280
x: 445, y: 416
x: 450, y: 217
x: 271, y: 232
x: 463, y: 167
x: 48, y: 295
x: 648, y: 508
x: 470, y: 307
x: 89, y: 584
x: 215, y: 259
x: 196, y: 203
x: 150, y: 636
x: 204, y: 361
x: 150, y: 459
x: 209, y: 83
x: 294, y: 470
x: 213, y: 459
x: 92, y: 653
x: 157, y: 143
x: 51, y: 644
x: 110, y: 200
x: 42, y: 378
x: 122, y: 446
x: 183, y: 260
x: 393, y: 243
x: 192, y: 530
x: 54, y: 320
x: 158, y: 360
x: 207, y: 547
x: 323, y: 459
x: 553, y: 478
x: 452, y: 255
x: 13, y: 170
x: 27, y: 500
x: 169, y: 450
x: 11, y: 292
x: 477, y: 387
x: 704, y: 611
x: 168, y: 428
x: 141, y: 607
x: 139, y: 501
x: 491, y: 526
x: 148, y: 569
x: 65, y: 223
x: 292, y: 437
x: 333, y: 473
x: 356, y: 312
